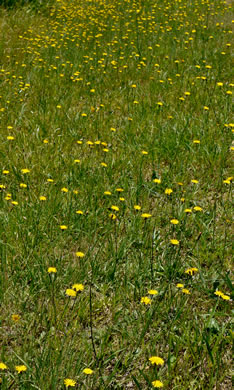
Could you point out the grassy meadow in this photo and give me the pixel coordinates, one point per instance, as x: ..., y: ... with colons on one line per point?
x: 116, y: 195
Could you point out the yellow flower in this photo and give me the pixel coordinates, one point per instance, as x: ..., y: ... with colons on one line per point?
x: 196, y: 141
x: 80, y: 254
x: 52, y: 270
x: 146, y: 300
x: 15, y: 317
x: 174, y: 221
x: 158, y: 181
x: 137, y: 207
x: 78, y: 287
x: 69, y: 382
x: 42, y: 197
x: 197, y: 208
x: 21, y: 368
x: 157, y: 384
x: 115, y: 208
x: 218, y: 293
x: 112, y: 216
x: 144, y: 152
x: 64, y: 189
x: 206, y: 108
x: 10, y: 137
x: 180, y: 285
x: 194, y: 181
x: 191, y: 271
x: 188, y: 211
x: 77, y: 161
x: 63, y: 227
x: 168, y: 191
x: 107, y: 193
x: 103, y: 164
x: 23, y: 185
x: 185, y: 291
x: 174, y: 242
x: 226, y: 297
x: 222, y: 295
x: 146, y: 215
x: 70, y: 293
x: 88, y: 371
x: 25, y: 170
x: 156, y: 360
x: 79, y: 212
x: 119, y: 189
x: 3, y: 366
x: 153, y: 292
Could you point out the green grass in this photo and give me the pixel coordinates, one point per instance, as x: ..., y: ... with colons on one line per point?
x: 135, y: 83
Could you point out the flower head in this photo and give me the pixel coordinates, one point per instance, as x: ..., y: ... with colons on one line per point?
x: 70, y: 293
x: 146, y: 300
x: 175, y: 242
x: 52, y: 270
x: 153, y: 292
x: 168, y: 191
x: 146, y: 215
x: 69, y: 382
x: 157, y: 384
x: 88, y: 371
x: 3, y: 366
x: 174, y: 221
x: 191, y: 271
x: 21, y: 368
x: 15, y: 317
x: 80, y: 254
x: 63, y: 227
x: 156, y: 360
x: 78, y: 287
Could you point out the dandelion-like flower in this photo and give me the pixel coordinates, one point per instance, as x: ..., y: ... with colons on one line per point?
x: 146, y: 300
x: 191, y: 271
x: 146, y: 215
x: 52, y: 270
x: 174, y: 221
x: 15, y: 317
x: 3, y: 366
x: 69, y: 382
x: 174, y: 242
x: 168, y: 191
x: 20, y: 368
x: 158, y: 384
x: 88, y: 371
x: 156, y: 360
x: 153, y: 292
x: 70, y: 293
x: 78, y: 287
x: 80, y: 254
